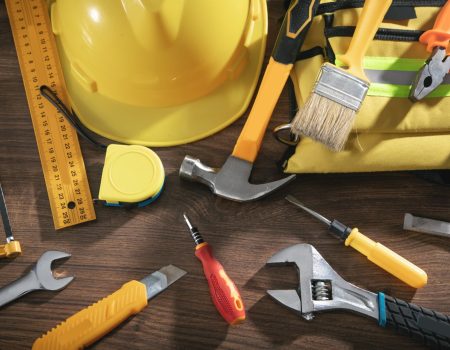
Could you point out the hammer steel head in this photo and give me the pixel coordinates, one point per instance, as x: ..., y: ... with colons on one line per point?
x: 231, y: 181
x: 43, y: 271
x: 320, y: 288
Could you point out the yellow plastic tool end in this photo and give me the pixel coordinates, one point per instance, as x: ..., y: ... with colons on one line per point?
x: 10, y: 250
x: 250, y: 139
x: 387, y: 259
x: 131, y: 174
x: 92, y: 323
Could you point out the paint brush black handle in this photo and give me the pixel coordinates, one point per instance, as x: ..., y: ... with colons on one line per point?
x: 293, y: 31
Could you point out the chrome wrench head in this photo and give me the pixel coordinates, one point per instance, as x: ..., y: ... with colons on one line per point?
x: 40, y: 277
x: 320, y: 288
x: 44, y: 274
x: 231, y: 181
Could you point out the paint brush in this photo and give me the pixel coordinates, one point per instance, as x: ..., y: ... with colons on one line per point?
x: 330, y: 110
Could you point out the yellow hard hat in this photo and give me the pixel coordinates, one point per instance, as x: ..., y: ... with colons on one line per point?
x: 160, y: 72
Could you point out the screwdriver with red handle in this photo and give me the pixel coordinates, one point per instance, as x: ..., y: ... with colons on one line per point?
x: 224, y: 293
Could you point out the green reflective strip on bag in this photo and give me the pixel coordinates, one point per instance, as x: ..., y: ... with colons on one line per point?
x: 393, y: 76
x: 391, y: 90
x: 390, y: 63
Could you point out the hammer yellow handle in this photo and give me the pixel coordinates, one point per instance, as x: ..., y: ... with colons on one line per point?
x: 250, y: 139
x: 90, y: 324
x: 290, y: 38
x: 387, y: 259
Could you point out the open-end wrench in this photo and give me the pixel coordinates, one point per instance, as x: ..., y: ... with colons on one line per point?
x: 39, y: 278
x: 322, y: 289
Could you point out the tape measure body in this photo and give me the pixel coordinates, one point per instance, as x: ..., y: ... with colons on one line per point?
x: 59, y: 150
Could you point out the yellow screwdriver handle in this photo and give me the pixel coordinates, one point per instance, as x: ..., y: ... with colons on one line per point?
x: 92, y: 323
x: 387, y: 259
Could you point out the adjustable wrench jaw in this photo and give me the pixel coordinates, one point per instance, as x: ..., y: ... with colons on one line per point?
x: 321, y: 288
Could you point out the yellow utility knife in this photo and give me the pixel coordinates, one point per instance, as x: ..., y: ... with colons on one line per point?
x: 92, y: 323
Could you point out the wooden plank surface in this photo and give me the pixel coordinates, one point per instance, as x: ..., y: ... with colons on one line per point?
x: 128, y: 244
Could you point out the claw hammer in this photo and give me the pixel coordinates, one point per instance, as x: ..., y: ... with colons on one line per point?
x: 232, y: 180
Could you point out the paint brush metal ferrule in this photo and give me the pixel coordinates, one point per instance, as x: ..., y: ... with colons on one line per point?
x: 341, y: 87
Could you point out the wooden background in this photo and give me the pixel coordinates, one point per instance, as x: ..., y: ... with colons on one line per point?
x: 128, y: 244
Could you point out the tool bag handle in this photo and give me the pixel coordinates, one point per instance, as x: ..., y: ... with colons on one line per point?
x: 430, y: 327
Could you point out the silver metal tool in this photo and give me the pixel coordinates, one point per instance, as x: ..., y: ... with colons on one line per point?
x: 433, y: 227
x: 231, y: 181
x: 431, y: 75
x: 160, y: 280
x: 39, y: 278
x: 322, y: 289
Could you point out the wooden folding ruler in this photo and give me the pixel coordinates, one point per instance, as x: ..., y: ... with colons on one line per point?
x: 62, y: 162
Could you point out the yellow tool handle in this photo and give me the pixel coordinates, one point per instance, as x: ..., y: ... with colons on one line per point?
x: 371, y: 17
x: 10, y: 250
x: 387, y: 259
x: 90, y: 324
x: 249, y: 141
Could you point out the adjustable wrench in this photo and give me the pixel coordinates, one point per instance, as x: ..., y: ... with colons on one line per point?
x: 322, y: 289
x: 39, y: 278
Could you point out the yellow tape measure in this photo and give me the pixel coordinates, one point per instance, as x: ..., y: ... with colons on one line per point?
x: 62, y: 162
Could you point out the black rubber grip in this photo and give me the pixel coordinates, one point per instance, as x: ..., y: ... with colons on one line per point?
x: 293, y: 31
x: 426, y: 326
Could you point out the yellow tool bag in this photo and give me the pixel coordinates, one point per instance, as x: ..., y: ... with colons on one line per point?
x: 390, y: 132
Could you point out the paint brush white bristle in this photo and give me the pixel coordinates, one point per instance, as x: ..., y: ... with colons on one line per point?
x: 325, y: 121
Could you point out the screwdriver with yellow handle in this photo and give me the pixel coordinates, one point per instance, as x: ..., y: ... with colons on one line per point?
x: 374, y: 251
x: 92, y: 323
x: 224, y: 293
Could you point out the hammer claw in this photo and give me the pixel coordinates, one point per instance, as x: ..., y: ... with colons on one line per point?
x: 231, y: 181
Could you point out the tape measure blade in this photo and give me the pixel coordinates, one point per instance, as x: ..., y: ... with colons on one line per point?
x: 59, y: 149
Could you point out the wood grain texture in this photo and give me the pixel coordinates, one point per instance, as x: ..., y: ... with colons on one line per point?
x: 128, y: 244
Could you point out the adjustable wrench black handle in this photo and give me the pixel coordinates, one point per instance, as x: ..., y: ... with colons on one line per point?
x: 427, y: 326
